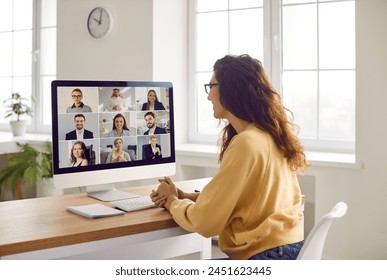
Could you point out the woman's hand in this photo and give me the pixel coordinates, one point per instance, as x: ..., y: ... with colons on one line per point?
x: 157, y: 199
x: 165, y: 194
x: 180, y: 193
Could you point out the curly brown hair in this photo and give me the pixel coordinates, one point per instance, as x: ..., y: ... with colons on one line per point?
x: 73, y: 159
x: 245, y: 91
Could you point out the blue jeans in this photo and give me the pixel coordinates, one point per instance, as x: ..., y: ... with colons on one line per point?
x: 285, y: 252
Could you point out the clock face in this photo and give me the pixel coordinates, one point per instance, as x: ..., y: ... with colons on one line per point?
x: 99, y: 22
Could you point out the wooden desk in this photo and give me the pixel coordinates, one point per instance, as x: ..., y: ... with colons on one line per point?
x: 41, y: 228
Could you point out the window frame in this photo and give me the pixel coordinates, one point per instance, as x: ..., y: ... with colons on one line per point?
x: 36, y: 122
x: 273, y: 66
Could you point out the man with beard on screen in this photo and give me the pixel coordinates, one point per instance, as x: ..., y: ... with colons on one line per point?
x: 150, y: 120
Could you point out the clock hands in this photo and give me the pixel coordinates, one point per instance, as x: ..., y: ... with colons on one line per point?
x: 100, y: 16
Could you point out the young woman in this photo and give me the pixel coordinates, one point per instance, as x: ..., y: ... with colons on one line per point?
x: 118, y: 155
x: 255, y: 197
x: 78, y: 155
x: 120, y: 127
x: 153, y: 102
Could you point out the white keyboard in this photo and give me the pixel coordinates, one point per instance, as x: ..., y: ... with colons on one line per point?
x: 133, y: 204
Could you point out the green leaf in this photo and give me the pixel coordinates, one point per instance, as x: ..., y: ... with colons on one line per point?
x: 29, y: 164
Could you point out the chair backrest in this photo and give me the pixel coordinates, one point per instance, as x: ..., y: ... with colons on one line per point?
x: 314, y: 243
x: 134, y: 149
x: 90, y: 154
x: 132, y: 155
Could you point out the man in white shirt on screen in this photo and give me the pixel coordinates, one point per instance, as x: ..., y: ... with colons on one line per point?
x: 116, y: 101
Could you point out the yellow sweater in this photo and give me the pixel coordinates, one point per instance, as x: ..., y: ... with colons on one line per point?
x: 252, y: 203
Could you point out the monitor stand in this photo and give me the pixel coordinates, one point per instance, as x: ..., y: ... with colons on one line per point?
x: 108, y: 192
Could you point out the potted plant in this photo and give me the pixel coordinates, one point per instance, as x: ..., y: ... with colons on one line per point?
x: 18, y: 107
x: 29, y: 165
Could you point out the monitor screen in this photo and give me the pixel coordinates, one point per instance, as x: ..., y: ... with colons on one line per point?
x: 111, y: 131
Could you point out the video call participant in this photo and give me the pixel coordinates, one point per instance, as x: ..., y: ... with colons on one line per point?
x: 152, y: 150
x: 78, y: 155
x: 78, y: 106
x: 118, y: 155
x: 253, y: 202
x: 116, y: 101
x: 150, y: 120
x: 79, y: 132
x: 153, y: 102
x: 120, y: 127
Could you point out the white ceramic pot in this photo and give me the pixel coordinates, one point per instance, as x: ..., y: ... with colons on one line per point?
x: 18, y: 127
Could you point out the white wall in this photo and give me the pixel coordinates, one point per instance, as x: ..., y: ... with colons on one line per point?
x: 367, y: 191
x: 362, y: 233
x: 149, y: 41
x: 170, y: 55
x: 126, y: 53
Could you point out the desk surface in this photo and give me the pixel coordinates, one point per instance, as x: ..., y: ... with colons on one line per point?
x: 43, y: 223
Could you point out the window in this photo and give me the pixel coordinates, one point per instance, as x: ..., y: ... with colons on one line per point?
x: 221, y: 27
x: 318, y: 70
x: 28, y: 56
x: 307, y: 48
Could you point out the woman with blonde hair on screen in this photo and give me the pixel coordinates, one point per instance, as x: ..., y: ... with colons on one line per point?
x: 118, y: 155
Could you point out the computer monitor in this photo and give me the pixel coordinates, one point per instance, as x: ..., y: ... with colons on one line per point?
x: 105, y: 131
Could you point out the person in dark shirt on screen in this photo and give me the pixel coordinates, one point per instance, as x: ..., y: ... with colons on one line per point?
x: 78, y: 106
x: 78, y: 155
x: 153, y: 102
x: 79, y: 132
x: 150, y: 120
x: 152, y: 150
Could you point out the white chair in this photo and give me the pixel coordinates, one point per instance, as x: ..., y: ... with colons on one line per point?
x: 314, y: 243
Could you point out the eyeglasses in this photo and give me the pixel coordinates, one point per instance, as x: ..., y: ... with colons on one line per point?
x: 207, y: 87
x: 76, y: 96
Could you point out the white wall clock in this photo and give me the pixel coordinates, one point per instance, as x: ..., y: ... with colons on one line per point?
x: 99, y: 22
